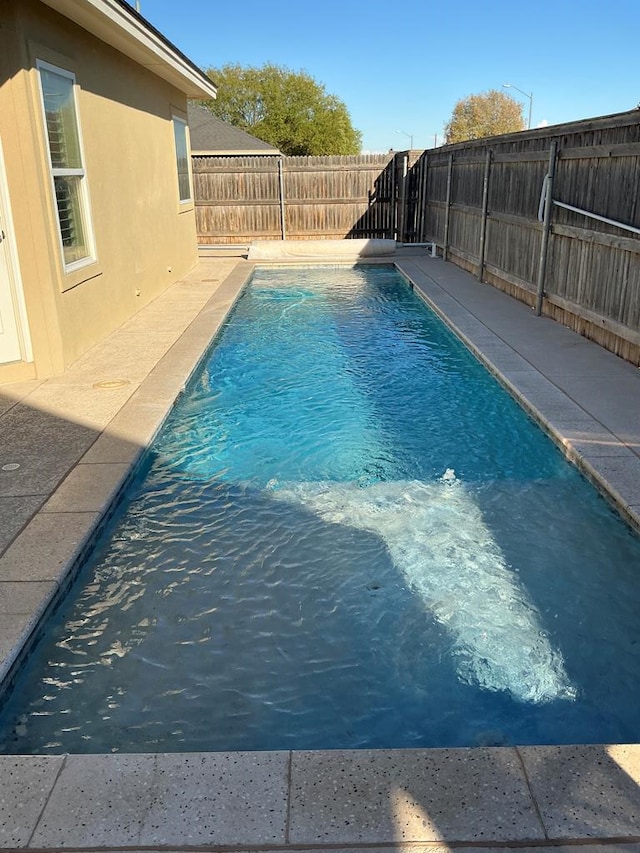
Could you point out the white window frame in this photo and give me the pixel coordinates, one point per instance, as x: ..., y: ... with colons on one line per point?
x: 177, y: 120
x: 55, y: 172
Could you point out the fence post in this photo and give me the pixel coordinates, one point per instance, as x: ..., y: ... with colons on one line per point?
x: 423, y: 197
x: 546, y: 224
x: 445, y: 247
x: 393, y: 202
x: 283, y: 226
x: 485, y: 210
x: 402, y: 202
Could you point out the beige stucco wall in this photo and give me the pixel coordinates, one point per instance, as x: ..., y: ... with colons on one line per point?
x: 145, y: 239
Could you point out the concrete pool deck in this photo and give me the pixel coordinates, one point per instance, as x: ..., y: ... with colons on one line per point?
x: 67, y: 447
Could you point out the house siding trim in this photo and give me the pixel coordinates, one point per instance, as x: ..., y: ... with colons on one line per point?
x: 125, y: 29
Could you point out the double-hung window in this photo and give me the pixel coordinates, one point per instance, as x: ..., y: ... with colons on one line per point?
x: 182, y: 159
x: 66, y: 163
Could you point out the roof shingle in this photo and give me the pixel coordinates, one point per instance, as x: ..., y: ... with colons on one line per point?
x: 211, y: 135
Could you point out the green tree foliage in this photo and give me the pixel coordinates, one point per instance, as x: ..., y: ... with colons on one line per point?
x: 487, y: 114
x: 287, y: 109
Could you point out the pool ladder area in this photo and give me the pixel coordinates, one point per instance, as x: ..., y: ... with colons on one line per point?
x: 431, y: 246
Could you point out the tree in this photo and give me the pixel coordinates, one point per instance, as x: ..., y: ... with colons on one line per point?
x: 287, y: 109
x: 487, y: 114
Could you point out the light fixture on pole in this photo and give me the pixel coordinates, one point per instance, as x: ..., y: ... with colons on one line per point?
x: 410, y: 135
x: 526, y: 94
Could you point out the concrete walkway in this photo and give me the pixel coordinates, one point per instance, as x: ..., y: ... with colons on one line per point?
x: 67, y: 447
x: 586, y: 398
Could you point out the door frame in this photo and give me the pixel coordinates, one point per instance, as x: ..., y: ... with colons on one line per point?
x: 15, y: 279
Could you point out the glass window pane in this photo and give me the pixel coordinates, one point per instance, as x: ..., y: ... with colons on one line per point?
x: 72, y: 230
x: 67, y: 168
x: 182, y: 158
x: 60, y: 114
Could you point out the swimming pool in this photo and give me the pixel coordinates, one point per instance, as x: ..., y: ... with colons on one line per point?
x: 317, y: 622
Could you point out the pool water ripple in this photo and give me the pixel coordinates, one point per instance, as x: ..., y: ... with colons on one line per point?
x: 347, y: 535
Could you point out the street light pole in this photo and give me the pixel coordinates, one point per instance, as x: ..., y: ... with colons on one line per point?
x: 526, y: 94
x: 410, y: 135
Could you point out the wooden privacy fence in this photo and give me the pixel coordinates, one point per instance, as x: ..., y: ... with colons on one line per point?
x: 240, y: 199
x: 551, y: 216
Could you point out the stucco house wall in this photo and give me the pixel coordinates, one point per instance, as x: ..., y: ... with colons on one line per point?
x: 144, y: 237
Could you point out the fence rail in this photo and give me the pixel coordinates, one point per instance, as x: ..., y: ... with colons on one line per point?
x: 239, y: 199
x: 583, y: 266
x: 479, y: 201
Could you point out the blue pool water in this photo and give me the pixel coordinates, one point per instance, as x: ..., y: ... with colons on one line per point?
x: 346, y: 535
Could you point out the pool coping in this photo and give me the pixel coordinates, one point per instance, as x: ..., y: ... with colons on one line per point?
x: 564, y: 412
x: 381, y: 799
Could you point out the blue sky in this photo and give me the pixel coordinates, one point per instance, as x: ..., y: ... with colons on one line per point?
x: 402, y: 66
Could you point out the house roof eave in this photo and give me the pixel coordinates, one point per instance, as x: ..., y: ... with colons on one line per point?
x: 118, y: 24
x: 234, y: 152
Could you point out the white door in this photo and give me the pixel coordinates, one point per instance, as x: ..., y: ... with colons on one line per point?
x: 9, y: 338
x: 14, y: 346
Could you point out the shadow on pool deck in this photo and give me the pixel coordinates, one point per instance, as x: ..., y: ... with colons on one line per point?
x: 76, y: 443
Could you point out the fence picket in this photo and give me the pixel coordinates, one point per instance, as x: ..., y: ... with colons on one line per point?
x: 489, y: 227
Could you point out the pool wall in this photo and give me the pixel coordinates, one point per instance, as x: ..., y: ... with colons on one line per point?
x: 584, y: 398
x: 40, y: 564
x: 589, y: 402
